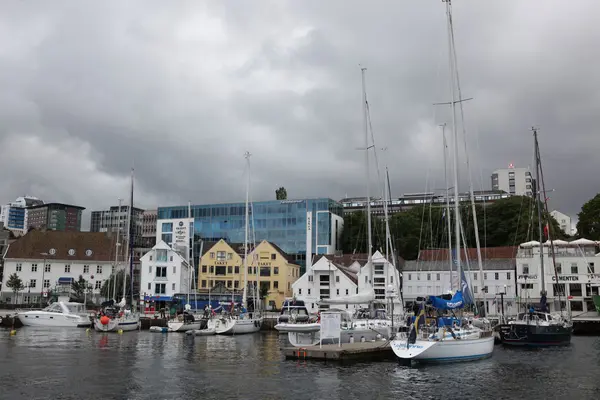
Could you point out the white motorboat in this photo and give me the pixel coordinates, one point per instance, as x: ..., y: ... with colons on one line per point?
x: 65, y: 314
x: 296, y: 318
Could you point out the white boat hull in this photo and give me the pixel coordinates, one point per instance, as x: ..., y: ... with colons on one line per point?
x: 308, y: 327
x: 176, y: 326
x: 229, y: 326
x: 48, y: 319
x: 125, y: 324
x: 444, y: 350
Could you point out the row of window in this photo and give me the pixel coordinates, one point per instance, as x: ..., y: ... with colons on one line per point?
x: 48, y: 268
x: 222, y: 270
x: 574, y: 268
x: 428, y: 290
x: 46, y: 284
x: 161, y: 272
x: 326, y: 292
x: 485, y: 276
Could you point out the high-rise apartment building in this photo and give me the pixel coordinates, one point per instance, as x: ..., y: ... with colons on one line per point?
x: 14, y: 215
x: 514, y: 181
x: 113, y: 219
x: 54, y: 217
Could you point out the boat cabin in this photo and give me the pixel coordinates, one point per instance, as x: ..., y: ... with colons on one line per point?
x: 293, y: 310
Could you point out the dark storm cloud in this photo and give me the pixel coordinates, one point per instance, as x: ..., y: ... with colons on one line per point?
x: 182, y: 89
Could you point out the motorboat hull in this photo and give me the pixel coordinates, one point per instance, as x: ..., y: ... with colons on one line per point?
x: 308, y: 327
x: 202, y: 332
x: 444, y: 350
x: 125, y: 324
x: 49, y: 319
x: 229, y: 326
x: 304, y: 339
x: 176, y: 326
x: 532, y: 335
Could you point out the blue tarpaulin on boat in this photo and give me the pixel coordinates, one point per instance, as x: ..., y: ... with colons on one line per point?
x: 452, y: 304
x: 65, y: 280
x: 158, y: 298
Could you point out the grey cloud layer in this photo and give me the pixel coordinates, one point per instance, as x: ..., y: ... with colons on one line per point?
x: 182, y: 89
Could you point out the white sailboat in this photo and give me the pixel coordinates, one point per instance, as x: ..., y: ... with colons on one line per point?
x: 239, y: 322
x: 449, y: 338
x: 125, y: 319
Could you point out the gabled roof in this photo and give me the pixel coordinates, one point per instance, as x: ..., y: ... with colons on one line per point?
x: 345, y: 270
x: 285, y: 255
x: 344, y: 259
x: 86, y: 246
x: 488, y: 253
x: 236, y: 247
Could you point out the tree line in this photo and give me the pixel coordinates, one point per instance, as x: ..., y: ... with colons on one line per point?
x: 505, y: 222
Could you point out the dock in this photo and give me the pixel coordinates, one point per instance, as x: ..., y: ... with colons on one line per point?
x: 361, y: 351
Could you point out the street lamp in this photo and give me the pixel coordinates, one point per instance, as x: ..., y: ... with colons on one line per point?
x: 43, y: 275
x: 502, y: 302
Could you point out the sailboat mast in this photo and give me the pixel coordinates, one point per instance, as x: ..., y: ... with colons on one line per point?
x: 455, y: 137
x: 539, y: 207
x: 114, y: 296
x: 448, y: 223
x: 369, y: 229
x: 129, y: 247
x: 244, y: 296
x: 189, y: 250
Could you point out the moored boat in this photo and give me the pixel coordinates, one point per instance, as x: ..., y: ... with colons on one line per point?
x: 64, y: 314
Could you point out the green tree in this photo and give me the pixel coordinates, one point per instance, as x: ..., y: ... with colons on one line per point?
x: 79, y: 287
x: 109, y: 283
x: 588, y: 225
x: 281, y: 194
x: 354, y: 234
x: 15, y: 284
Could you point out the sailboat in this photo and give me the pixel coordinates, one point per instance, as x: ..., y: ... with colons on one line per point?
x: 124, y: 319
x: 239, y: 320
x: 446, y: 336
x: 539, y: 327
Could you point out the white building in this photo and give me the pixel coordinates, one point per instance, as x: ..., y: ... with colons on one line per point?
x: 164, y: 272
x: 515, y: 181
x: 47, y: 263
x: 14, y: 215
x: 429, y: 275
x: 564, y: 221
x: 575, y: 268
x: 334, y: 276
x: 176, y: 233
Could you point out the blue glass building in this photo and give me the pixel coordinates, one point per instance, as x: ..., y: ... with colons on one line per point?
x: 283, y: 222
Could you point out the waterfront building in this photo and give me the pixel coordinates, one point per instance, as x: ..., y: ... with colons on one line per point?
x: 14, y: 214
x: 149, y: 228
x: 286, y: 223
x: 109, y: 221
x: 221, y: 266
x: 163, y: 273
x: 430, y: 274
x: 515, y: 181
x: 409, y: 200
x: 564, y: 221
x: 54, y: 217
x: 336, y: 275
x: 578, y: 278
x: 276, y: 272
x: 49, y: 261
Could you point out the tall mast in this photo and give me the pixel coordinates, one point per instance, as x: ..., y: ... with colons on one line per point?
x: 366, y: 128
x: 448, y: 223
x: 455, y: 137
x: 189, y: 251
x: 129, y: 247
x: 539, y: 206
x: 244, y: 296
x: 114, y: 297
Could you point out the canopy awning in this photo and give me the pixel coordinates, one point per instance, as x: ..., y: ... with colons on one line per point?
x: 65, y: 280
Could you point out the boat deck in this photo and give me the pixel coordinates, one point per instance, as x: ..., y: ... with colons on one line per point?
x: 359, y: 351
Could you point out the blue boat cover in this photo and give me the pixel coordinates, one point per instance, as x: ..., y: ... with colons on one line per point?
x: 452, y: 304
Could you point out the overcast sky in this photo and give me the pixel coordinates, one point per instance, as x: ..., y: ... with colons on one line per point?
x: 183, y: 89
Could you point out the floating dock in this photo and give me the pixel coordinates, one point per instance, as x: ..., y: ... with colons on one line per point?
x: 361, y: 351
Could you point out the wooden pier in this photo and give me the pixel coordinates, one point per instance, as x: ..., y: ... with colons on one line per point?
x: 361, y: 351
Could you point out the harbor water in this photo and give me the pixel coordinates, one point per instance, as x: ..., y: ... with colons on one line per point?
x: 75, y: 364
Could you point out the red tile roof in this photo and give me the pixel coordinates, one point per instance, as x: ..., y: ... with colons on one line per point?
x: 489, y: 253
x: 31, y: 245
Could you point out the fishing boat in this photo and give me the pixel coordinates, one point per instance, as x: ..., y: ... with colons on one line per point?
x: 65, y: 314
x: 538, y: 327
x: 239, y: 320
x: 124, y: 319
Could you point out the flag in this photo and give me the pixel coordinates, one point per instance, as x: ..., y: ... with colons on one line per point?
x: 420, y: 318
x: 546, y: 231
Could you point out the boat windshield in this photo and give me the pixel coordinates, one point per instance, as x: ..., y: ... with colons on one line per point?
x: 75, y: 308
x: 294, y: 311
x: 54, y: 308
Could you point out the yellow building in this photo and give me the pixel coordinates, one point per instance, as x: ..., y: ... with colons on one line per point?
x: 276, y: 272
x: 221, y: 266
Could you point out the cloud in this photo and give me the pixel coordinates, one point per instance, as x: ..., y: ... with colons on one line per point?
x: 181, y: 90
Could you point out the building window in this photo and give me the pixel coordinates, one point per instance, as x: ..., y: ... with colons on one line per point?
x: 32, y: 283
x: 337, y: 292
x: 310, y: 278
x: 229, y: 284
x: 437, y: 277
x: 19, y: 267
x: 275, y: 270
x: 275, y: 284
x: 67, y: 268
x: 309, y: 291
x: 167, y: 227
x: 211, y: 269
x: 229, y: 269
x: 150, y: 258
x: 485, y: 276
x: 171, y: 258
x: 160, y: 288
x: 86, y: 269
x: 161, y: 272
x: 230, y: 256
x: 475, y: 276
x: 46, y: 283
x: 428, y: 277
x: 220, y: 256
x: 174, y: 269
x: 149, y: 286
x: 150, y: 269
x: 525, y: 269
x: 474, y: 289
x: 508, y: 276
x: 273, y: 256
x: 300, y: 291
x: 265, y: 271
x: 236, y: 284
x: 99, y: 269
x: 161, y: 255
x: 33, y: 267
x: 203, y: 283
x: 526, y: 286
x: 46, y: 268
x: 98, y: 285
x: 346, y: 292
x: 221, y: 270
x: 496, y: 275
x: 204, y: 269
x: 237, y: 269
x: 409, y: 277
x: 573, y: 268
x: 112, y: 269
x: 173, y: 287
x: 591, y: 268
x: 212, y: 255
x: 558, y: 268
x: 337, y: 279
